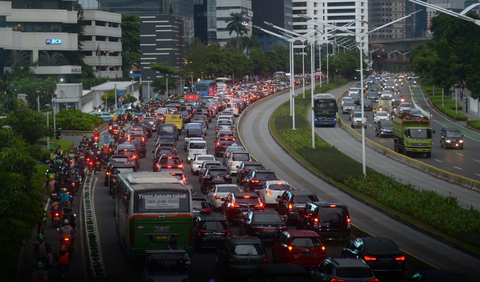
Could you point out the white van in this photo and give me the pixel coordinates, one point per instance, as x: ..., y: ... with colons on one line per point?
x: 235, y: 159
x: 196, y: 147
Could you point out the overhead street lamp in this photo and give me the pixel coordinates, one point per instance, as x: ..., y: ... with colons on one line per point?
x: 361, y: 36
x: 461, y: 15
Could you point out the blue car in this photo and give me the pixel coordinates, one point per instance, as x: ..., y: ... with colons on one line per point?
x: 106, y: 116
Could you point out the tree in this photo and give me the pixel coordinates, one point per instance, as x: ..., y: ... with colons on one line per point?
x: 235, y: 23
x: 130, y: 43
x: 55, y: 59
x: 27, y: 124
x: 278, y: 45
x: 34, y: 87
x: 21, y: 195
x: 473, y: 79
x: 20, y: 63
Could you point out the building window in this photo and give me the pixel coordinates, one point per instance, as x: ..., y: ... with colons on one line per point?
x: 340, y: 4
x: 342, y: 18
x: 341, y: 11
x: 300, y: 4
x: 269, y: 44
x: 297, y: 12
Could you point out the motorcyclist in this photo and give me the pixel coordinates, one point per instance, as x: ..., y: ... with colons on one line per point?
x: 63, y: 260
x: 53, y: 185
x: 72, y: 155
x: 96, y: 135
x: 42, y: 251
x: 40, y: 274
x: 56, y: 207
x: 68, y: 214
x: 66, y: 231
x: 114, y: 118
x: 84, y: 139
x: 65, y: 198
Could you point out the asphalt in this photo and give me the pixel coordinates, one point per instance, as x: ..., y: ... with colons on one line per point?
x: 256, y: 137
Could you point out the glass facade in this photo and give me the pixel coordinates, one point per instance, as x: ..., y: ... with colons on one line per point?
x: 43, y: 4
x: 205, y: 20
x: 278, y: 12
x: 136, y: 7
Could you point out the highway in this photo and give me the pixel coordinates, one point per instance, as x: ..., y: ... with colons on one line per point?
x: 462, y: 162
x: 257, y: 139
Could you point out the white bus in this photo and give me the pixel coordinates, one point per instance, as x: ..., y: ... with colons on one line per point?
x: 222, y: 83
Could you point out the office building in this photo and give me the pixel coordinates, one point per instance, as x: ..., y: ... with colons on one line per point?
x: 381, y: 12
x: 184, y: 8
x: 102, y: 44
x: 416, y: 25
x: 161, y: 40
x: 224, y: 9
x: 134, y: 7
x: 278, y: 12
x: 205, y: 20
x: 39, y: 28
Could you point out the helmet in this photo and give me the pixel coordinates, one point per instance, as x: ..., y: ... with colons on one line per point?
x: 96, y: 130
x: 64, y: 190
x: 71, y: 151
x: 40, y: 238
x: 39, y: 265
x: 84, y: 135
x: 98, y: 152
x: 72, y: 171
x: 68, y: 210
x: 66, y: 222
x: 52, y: 177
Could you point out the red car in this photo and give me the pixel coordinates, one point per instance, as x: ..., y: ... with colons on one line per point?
x: 303, y: 247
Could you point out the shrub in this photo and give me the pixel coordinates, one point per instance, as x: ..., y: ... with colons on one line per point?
x: 474, y: 123
x: 438, y: 100
x: 77, y: 120
x: 442, y: 213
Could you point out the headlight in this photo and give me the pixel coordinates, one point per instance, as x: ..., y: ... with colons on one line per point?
x: 460, y: 141
x: 448, y: 141
x: 383, y: 129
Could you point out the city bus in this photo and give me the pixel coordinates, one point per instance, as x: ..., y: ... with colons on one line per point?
x: 325, y: 109
x: 222, y: 83
x: 206, y: 88
x: 279, y: 75
x: 153, y: 214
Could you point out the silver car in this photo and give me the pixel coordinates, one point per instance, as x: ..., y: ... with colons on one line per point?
x: 386, y: 95
x: 356, y: 119
x: 404, y: 108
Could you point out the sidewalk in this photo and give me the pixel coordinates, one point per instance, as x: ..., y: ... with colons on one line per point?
x: 426, y: 104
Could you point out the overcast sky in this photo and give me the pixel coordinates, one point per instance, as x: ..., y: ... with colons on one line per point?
x: 459, y: 3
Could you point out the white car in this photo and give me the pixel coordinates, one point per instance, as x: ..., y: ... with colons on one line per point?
x: 380, y: 115
x: 235, y: 159
x: 386, y: 95
x: 217, y: 195
x: 198, y: 161
x: 272, y: 189
x: 404, y: 108
x: 196, y: 147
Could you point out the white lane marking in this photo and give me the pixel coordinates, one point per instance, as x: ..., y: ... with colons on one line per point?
x: 477, y: 174
x: 458, y: 167
x: 459, y: 154
x: 438, y: 160
x: 476, y: 160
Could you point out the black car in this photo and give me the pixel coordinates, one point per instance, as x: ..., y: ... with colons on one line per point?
x: 257, y: 177
x: 372, y: 95
x: 262, y: 224
x: 205, y: 166
x: 367, y: 105
x: 168, y: 162
x: 280, y: 272
x: 213, y: 176
x: 244, y: 169
x: 158, y: 152
x: 238, y: 204
x: 451, y: 138
x: 397, y: 99
x: 291, y: 202
x: 240, y: 256
x: 200, y: 206
x: 329, y: 220
x: 115, y: 159
x: 115, y: 169
x: 384, y: 128
x: 222, y: 144
x: 382, y: 254
x: 210, y: 230
x: 186, y: 116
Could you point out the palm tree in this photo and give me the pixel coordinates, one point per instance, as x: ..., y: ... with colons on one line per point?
x: 55, y: 59
x: 235, y: 23
x: 18, y: 60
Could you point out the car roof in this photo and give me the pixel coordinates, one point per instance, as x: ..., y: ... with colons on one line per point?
x: 452, y: 129
x: 263, y: 170
x: 348, y: 262
x: 252, y: 163
x: 303, y: 233
x: 244, y: 240
x: 211, y: 217
x: 273, y: 182
x: 242, y: 194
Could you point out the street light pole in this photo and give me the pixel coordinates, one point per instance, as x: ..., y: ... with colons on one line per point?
x: 303, y: 70
x: 166, y: 90
x: 116, y: 102
x: 312, y: 77
x: 191, y: 81
x: 202, y: 75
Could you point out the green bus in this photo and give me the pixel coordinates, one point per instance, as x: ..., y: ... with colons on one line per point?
x: 153, y: 212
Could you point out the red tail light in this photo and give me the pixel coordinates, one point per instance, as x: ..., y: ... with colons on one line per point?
x: 290, y: 206
x: 372, y: 280
x: 265, y: 259
x: 200, y: 232
x: 180, y: 166
x: 336, y: 280
x: 230, y: 260
x: 227, y: 232
x: 402, y: 258
x: 207, y: 210
x: 269, y: 193
x: 56, y: 214
x: 217, y: 198
x: 66, y: 239
x: 367, y: 258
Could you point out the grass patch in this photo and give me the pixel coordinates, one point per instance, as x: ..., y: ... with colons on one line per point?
x: 66, y: 145
x: 449, y: 108
x: 438, y: 100
x: 285, y: 122
x: 474, y: 123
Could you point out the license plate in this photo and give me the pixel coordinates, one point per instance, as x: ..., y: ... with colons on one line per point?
x: 385, y: 259
x: 269, y: 229
x: 218, y: 179
x: 307, y: 254
x: 325, y: 123
x: 419, y: 150
x: 326, y: 224
x: 161, y: 237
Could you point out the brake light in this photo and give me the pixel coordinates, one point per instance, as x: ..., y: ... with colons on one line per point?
x: 228, y: 233
x: 235, y: 206
x: 367, y: 258
x: 332, y: 206
x: 269, y: 193
x: 66, y: 239
x: 265, y: 259
x: 56, y: 214
x: 255, y: 181
x: 402, y: 258
x: 180, y: 166
x: 217, y: 198
x: 143, y: 139
x: 230, y: 260
x: 372, y: 280
x: 290, y: 206
x: 316, y: 220
x: 337, y: 280
x: 260, y: 204
x: 218, y: 143
x: 207, y: 210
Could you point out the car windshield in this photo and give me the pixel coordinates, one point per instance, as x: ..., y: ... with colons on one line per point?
x: 205, y: 158
x: 329, y: 214
x: 216, y: 226
x: 387, y: 123
x: 354, y: 273
x: 241, y: 157
x: 224, y: 189
x: 405, y: 105
x: 199, y: 204
x: 248, y: 250
x: 382, y: 114
x: 218, y: 172
x: 197, y: 145
x: 266, y: 217
x: 306, y: 242
x: 168, y: 161
x: 279, y: 187
x: 265, y: 176
x: 165, y: 129
x: 381, y: 248
x: 454, y: 134
x: 349, y: 103
x: 194, y: 133
x: 123, y: 170
x: 419, y: 133
x: 305, y: 198
x: 250, y: 167
x: 119, y: 160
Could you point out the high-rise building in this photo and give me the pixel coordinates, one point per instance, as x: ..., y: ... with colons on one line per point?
x: 381, y: 12
x: 184, y: 8
x: 278, y: 12
x: 227, y: 7
x: 161, y: 40
x: 309, y: 8
x: 40, y: 29
x: 416, y: 25
x: 134, y: 7
x: 102, y: 43
x: 205, y: 20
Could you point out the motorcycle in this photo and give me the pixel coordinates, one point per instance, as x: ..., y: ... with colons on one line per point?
x: 98, y: 165
x: 67, y: 242
x: 56, y: 220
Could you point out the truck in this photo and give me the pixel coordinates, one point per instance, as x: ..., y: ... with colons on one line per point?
x: 177, y: 120
x: 412, y: 135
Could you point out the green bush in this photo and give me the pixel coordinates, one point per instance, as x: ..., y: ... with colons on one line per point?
x: 76, y: 120
x: 437, y: 100
x: 442, y: 213
x: 474, y: 123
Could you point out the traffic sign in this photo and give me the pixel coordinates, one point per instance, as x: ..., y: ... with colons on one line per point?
x: 121, y: 93
x: 121, y: 99
x: 196, y: 104
x: 120, y: 103
x: 105, y: 139
x: 105, y: 95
